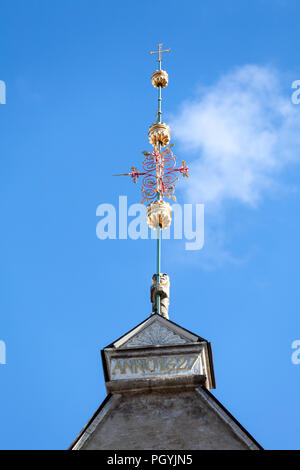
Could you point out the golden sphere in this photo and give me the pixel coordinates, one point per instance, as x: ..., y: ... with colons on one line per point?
x: 160, y: 79
x: 159, y: 214
x: 159, y: 133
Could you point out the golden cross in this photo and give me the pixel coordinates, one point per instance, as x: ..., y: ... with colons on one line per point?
x: 160, y: 51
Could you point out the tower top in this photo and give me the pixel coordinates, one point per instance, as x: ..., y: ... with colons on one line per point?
x: 159, y: 177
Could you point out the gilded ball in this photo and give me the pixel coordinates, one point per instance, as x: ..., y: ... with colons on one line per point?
x: 160, y: 79
x: 159, y: 133
x: 159, y: 214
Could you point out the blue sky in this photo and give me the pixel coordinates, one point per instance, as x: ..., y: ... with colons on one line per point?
x: 78, y: 105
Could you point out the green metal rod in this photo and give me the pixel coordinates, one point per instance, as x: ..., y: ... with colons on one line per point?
x: 159, y: 104
x: 159, y: 228
x: 158, y: 252
x: 158, y: 265
x: 158, y: 244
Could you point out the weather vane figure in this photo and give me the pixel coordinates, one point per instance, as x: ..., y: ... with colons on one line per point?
x: 158, y: 182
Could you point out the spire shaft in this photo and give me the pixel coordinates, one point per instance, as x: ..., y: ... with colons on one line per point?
x: 159, y: 176
x: 158, y: 265
x: 158, y: 246
x: 159, y: 120
x: 159, y: 112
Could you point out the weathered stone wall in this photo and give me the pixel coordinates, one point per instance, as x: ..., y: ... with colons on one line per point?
x: 160, y: 420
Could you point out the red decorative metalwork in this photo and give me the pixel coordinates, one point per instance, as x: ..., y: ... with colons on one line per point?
x: 159, y: 175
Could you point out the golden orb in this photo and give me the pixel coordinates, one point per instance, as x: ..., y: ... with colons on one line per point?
x: 159, y: 214
x: 160, y: 79
x: 159, y: 133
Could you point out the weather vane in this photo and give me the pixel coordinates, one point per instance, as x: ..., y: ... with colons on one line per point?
x: 159, y: 173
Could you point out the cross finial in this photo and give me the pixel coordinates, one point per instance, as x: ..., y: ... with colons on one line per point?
x: 160, y: 51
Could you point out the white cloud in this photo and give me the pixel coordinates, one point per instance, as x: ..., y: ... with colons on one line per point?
x: 237, y: 136
x: 243, y: 130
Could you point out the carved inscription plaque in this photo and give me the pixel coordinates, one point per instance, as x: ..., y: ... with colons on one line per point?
x: 154, y: 366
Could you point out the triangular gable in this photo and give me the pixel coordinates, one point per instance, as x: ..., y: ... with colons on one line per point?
x: 156, y: 331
